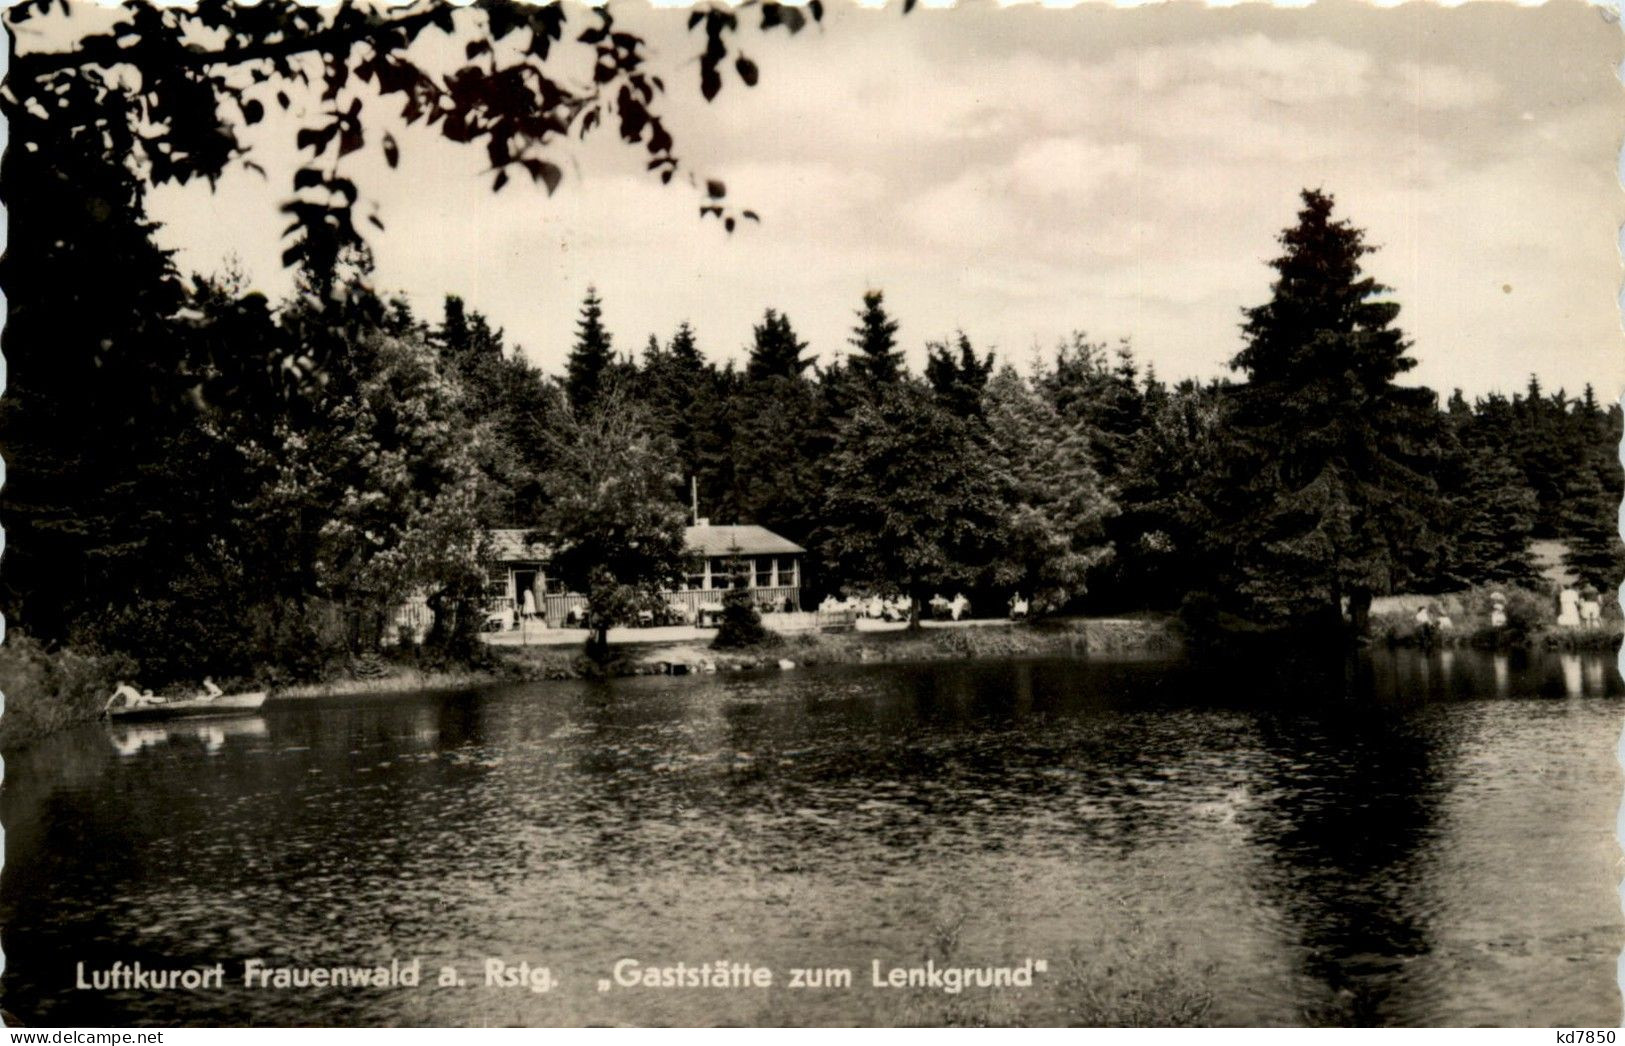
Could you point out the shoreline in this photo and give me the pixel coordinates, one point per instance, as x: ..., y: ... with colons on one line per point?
x: 553, y: 661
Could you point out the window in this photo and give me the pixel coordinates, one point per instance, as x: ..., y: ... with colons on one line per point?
x: 787, y: 572
x: 764, y: 572
x: 721, y: 574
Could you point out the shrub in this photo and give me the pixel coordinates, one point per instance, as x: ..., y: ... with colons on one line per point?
x: 741, y: 624
x: 50, y: 689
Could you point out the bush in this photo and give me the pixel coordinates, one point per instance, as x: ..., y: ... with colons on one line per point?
x: 47, y: 690
x: 741, y: 624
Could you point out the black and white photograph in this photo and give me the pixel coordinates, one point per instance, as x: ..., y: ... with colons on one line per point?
x: 811, y: 515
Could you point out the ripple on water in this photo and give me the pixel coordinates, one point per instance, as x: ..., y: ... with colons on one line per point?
x: 1289, y: 856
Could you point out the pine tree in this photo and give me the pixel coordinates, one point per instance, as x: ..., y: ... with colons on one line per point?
x: 591, y: 358
x: 878, y: 360
x: 1329, y: 500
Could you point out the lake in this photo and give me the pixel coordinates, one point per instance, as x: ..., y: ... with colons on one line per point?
x: 1415, y: 839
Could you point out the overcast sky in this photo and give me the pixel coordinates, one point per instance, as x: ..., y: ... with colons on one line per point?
x: 1022, y: 173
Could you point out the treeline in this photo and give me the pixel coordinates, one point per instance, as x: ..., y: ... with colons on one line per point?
x: 219, y: 485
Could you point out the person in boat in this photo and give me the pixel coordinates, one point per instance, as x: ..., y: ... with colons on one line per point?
x: 210, y: 690
x: 132, y: 697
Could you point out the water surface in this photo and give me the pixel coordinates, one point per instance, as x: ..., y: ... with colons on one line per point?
x: 1423, y: 839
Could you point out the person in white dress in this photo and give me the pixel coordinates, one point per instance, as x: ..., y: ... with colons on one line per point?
x: 1568, y: 608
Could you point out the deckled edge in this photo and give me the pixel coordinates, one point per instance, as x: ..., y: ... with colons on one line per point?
x: 1618, y: 7
x: 5, y: 234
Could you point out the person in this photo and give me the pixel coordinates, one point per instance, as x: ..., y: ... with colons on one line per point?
x: 960, y: 607
x: 1590, y: 607
x: 1498, y: 610
x: 210, y: 690
x: 133, y: 698
x: 530, y: 604
x: 1568, y: 608
x: 1424, y: 617
x: 1443, y: 616
x: 1018, y: 607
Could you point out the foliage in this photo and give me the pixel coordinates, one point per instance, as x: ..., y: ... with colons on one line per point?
x: 48, y: 689
x: 612, y: 523
x: 878, y: 361
x: 173, y: 90
x: 1054, y: 503
x: 741, y: 624
x: 591, y: 358
x: 1327, y: 496
x: 1493, y: 519
x: 911, y: 503
x: 775, y: 351
x: 958, y: 380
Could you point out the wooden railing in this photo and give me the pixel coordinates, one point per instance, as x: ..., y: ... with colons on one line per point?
x: 688, y: 604
x: 559, y: 608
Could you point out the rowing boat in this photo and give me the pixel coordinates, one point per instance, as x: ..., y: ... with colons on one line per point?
x: 177, y: 707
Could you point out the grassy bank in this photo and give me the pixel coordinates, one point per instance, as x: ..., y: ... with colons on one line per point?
x: 1531, y: 623
x: 47, y: 690
x: 1065, y: 638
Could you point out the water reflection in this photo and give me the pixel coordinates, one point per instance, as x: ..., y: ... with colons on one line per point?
x: 1402, y: 839
x: 130, y: 739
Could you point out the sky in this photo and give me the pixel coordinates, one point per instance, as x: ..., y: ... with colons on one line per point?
x: 1022, y: 173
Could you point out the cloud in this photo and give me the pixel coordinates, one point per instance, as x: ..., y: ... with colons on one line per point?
x: 1026, y: 172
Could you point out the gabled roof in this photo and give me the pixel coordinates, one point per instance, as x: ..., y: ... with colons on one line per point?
x: 741, y: 539
x: 508, y: 545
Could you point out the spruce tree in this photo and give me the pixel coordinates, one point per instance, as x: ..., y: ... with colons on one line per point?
x: 591, y: 357
x: 1495, y: 515
x: 1329, y: 499
x: 958, y: 379
x: 878, y: 359
x: 775, y: 351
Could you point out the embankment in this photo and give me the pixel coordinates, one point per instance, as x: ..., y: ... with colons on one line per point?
x: 48, y: 690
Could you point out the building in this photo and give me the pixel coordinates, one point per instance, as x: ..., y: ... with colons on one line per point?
x: 772, y: 566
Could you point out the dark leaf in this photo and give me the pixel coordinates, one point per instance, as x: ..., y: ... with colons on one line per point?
x: 351, y: 139
x: 751, y: 215
x: 392, y: 151
x: 710, y: 81
x: 728, y: 224
x: 307, y: 178
x: 476, y: 48
x: 502, y: 179
x: 747, y: 70
x: 253, y: 111
x: 715, y: 189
